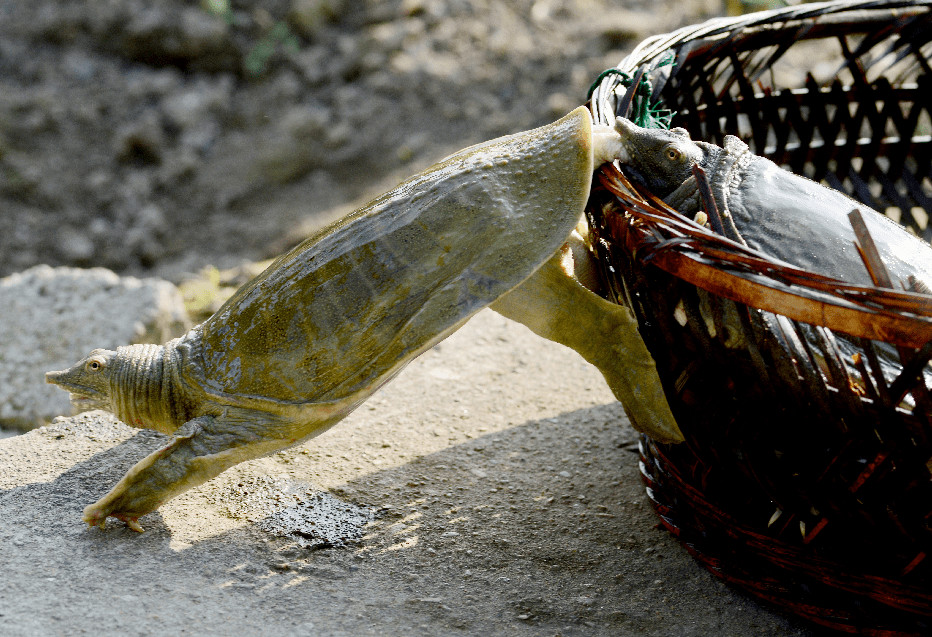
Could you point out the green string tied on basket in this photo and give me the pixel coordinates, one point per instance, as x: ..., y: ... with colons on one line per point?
x: 643, y: 113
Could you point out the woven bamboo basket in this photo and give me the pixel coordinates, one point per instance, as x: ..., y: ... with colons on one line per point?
x: 805, y: 475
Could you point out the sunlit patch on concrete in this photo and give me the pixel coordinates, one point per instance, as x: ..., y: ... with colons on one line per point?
x: 409, y: 543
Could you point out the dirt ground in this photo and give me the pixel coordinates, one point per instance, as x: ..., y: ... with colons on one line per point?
x: 162, y: 136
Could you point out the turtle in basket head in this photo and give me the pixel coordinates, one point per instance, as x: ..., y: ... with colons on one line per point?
x: 327, y: 324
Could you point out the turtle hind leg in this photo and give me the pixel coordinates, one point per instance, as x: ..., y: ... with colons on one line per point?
x: 556, y: 304
x: 202, y: 449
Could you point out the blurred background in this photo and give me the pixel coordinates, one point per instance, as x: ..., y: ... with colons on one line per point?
x: 158, y: 137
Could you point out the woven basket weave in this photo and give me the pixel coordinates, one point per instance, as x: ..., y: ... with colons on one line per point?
x: 805, y: 475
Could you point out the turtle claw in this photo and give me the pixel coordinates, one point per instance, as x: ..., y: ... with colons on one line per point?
x: 131, y: 523
x: 93, y: 517
x: 96, y: 515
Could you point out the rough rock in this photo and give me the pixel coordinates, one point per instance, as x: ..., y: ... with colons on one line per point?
x: 509, y: 549
x: 51, y: 317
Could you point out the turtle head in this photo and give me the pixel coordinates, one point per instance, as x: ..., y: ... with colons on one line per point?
x: 88, y: 380
x: 661, y: 159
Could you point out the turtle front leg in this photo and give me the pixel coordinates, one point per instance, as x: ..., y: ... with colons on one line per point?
x: 202, y: 449
x: 556, y: 303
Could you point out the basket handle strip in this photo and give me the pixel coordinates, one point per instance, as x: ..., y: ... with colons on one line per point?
x: 708, y: 200
x: 868, y: 250
x: 764, y: 294
x: 761, y: 294
x: 731, y: 254
x: 912, y: 363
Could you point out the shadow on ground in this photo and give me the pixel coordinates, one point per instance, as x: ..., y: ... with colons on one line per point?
x: 541, y: 528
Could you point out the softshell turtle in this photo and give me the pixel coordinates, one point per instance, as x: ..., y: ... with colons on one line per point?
x: 305, y: 342
x: 772, y: 210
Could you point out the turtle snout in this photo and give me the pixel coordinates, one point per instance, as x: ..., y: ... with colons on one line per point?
x: 52, y: 378
x: 628, y: 135
x: 626, y: 127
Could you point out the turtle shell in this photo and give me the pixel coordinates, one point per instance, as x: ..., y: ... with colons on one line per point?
x: 346, y: 309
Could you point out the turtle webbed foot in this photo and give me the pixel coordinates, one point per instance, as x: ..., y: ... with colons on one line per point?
x: 202, y: 448
x: 128, y: 501
x: 96, y: 515
x: 558, y: 303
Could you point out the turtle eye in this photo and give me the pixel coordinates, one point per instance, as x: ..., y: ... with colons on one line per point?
x: 672, y: 153
x: 94, y: 365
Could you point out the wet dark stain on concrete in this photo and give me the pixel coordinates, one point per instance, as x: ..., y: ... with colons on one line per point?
x: 296, y: 509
